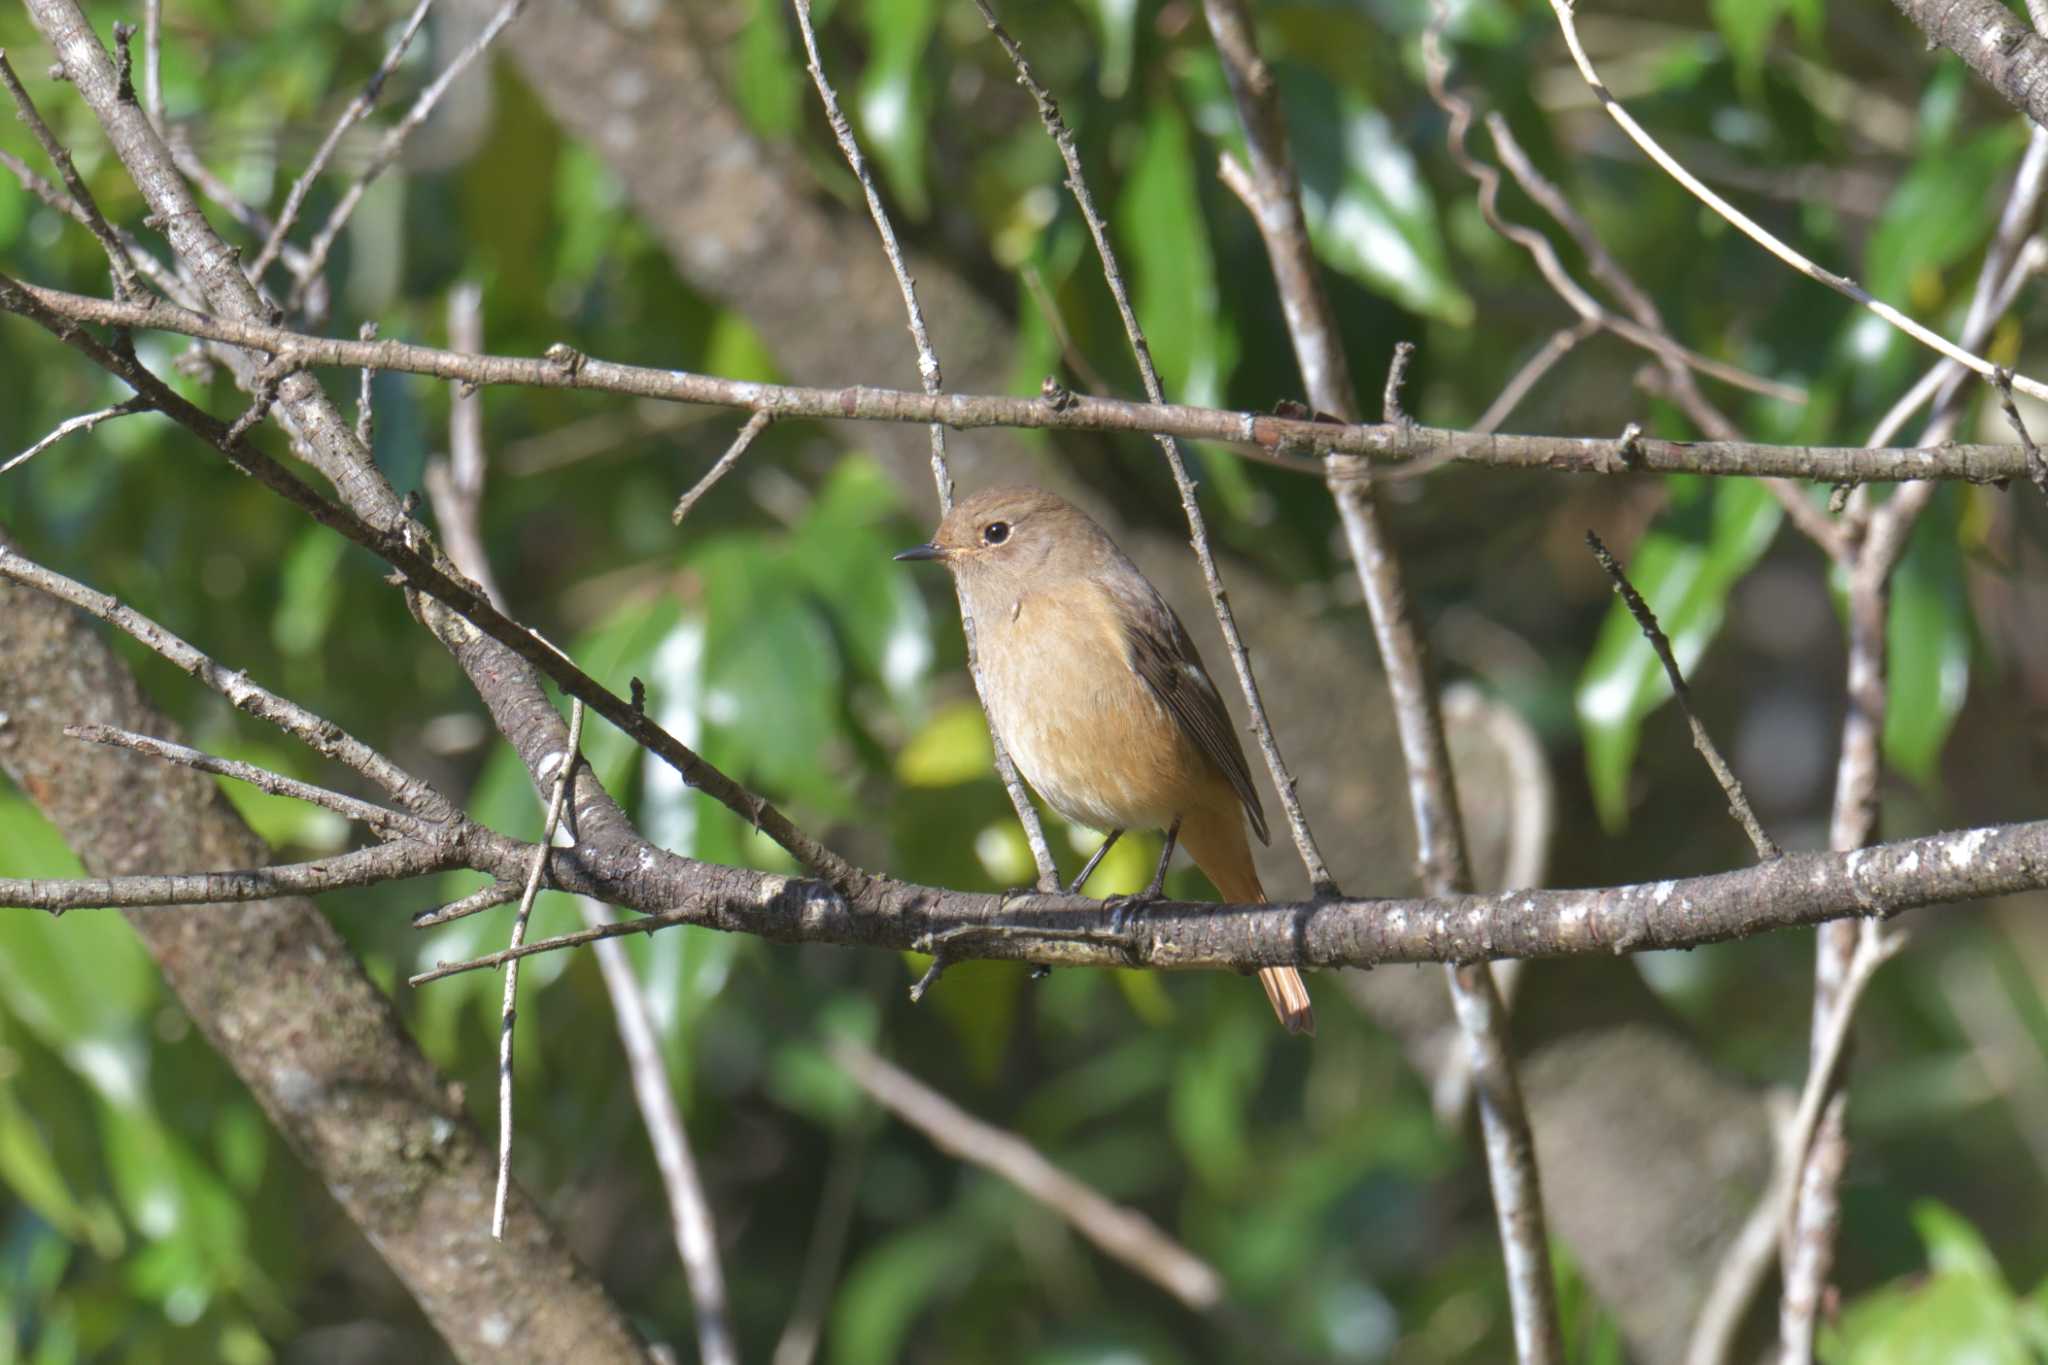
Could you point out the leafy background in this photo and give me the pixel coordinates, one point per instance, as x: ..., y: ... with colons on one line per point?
x: 148, y: 1213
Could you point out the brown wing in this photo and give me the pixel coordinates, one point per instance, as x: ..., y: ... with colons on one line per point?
x: 1162, y: 654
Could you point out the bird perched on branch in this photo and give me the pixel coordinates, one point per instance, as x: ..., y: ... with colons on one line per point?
x: 1096, y: 690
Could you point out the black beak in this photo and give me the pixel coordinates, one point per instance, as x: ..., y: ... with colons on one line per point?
x: 922, y: 552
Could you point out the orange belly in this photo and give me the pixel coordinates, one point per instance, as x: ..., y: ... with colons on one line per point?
x: 1087, y: 733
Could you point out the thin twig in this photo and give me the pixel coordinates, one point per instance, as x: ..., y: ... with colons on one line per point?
x: 358, y: 108
x: 388, y: 149
x: 1749, y: 228
x: 1680, y: 385
x: 1292, y: 443
x: 1646, y: 620
x: 375, y: 865
x: 388, y: 823
x: 426, y: 574
x: 754, y: 426
x: 1122, y: 1233
x: 1432, y: 793
x: 1459, y: 113
x: 455, y: 486
x: 366, y: 411
x: 457, y: 491
x: 323, y: 736
x: 71, y: 426
x: 1049, y: 309
x: 1320, y: 880
x: 153, y: 61
x: 563, y: 775
x: 126, y: 283
x: 930, y: 377
x: 798, y: 1344
x: 2037, y: 468
x: 689, y: 1208
x: 1526, y: 378
x: 1749, y: 1255
x: 487, y: 897
x: 153, y: 270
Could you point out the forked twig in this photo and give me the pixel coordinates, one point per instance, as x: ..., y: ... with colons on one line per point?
x: 931, y: 378
x: 564, y: 777
x: 1284, y: 783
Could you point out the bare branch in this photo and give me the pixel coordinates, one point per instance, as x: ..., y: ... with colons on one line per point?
x: 361, y: 867
x: 457, y: 492
x: 387, y: 152
x: 564, y: 772
x: 689, y: 1208
x: 358, y: 108
x: 1432, y: 794
x: 1731, y: 786
x: 754, y: 426
x: 154, y: 270
x: 798, y: 1344
x: 1284, y: 783
x: 1799, y: 889
x: 1288, y: 442
x: 930, y: 377
x: 1653, y: 339
x: 399, y: 547
x: 1748, y: 226
x: 126, y: 284
x: 70, y: 426
x: 153, y: 61
x: 1122, y: 1233
x: 388, y: 823
x: 1992, y: 41
x: 322, y: 736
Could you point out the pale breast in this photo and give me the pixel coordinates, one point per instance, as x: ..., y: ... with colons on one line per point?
x: 1087, y: 733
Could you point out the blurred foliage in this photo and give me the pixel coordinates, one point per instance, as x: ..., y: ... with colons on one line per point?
x: 149, y: 1213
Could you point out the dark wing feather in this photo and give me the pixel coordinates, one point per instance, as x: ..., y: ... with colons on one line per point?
x: 1162, y: 654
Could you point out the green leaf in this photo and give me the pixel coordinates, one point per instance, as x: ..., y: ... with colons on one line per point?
x: 1369, y: 211
x: 1211, y: 1100
x: 1928, y: 642
x: 1939, y: 213
x: 953, y: 747
x: 1173, y: 272
x: 842, y: 548
x: 1117, y: 23
x: 895, y: 96
x: 771, y: 674
x: 888, y: 1287
x: 309, y: 589
x: 1747, y: 26
x: 82, y: 984
x: 768, y: 81
x: 1684, y: 568
x: 1961, y: 1311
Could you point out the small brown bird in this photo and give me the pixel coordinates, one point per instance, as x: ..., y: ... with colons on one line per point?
x: 1099, y: 695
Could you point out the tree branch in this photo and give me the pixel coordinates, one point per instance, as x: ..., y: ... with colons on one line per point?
x: 1994, y: 42
x: 1797, y: 890
x: 1383, y: 449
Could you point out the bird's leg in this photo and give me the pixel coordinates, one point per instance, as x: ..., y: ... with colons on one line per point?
x: 1087, y: 871
x: 1158, y: 887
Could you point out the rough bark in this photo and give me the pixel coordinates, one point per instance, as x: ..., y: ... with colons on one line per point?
x: 278, y: 993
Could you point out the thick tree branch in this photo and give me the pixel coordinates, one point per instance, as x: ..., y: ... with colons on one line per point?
x: 1800, y: 889
x: 1275, y: 202
x: 277, y: 991
x: 1994, y: 42
x: 1290, y: 442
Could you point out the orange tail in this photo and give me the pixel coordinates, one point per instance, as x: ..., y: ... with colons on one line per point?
x: 1219, y: 847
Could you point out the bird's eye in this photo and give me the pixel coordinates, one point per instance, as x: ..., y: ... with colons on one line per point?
x: 995, y: 533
